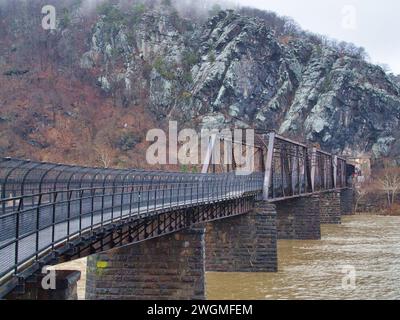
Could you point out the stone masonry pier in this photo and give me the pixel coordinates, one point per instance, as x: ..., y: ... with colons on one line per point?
x: 169, y: 267
x: 246, y: 243
x: 330, y: 206
x: 347, y: 201
x: 299, y: 218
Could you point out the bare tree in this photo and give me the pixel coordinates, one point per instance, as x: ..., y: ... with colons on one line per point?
x: 105, y: 155
x: 362, y: 191
x: 389, y: 181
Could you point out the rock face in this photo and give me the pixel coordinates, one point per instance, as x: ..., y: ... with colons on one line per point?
x: 243, y: 73
x: 298, y: 89
x: 232, y: 69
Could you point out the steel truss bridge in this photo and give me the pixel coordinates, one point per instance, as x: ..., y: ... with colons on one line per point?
x: 51, y: 213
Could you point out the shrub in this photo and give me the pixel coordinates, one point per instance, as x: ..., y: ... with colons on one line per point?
x: 15, y: 72
x: 65, y: 20
x: 127, y: 141
x: 189, y: 59
x: 195, y: 170
x: 187, y: 76
x: 186, y: 95
x: 393, y: 210
x: 136, y: 13
x: 211, y: 56
x: 164, y: 69
x: 111, y: 13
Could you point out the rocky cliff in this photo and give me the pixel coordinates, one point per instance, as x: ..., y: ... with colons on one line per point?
x: 229, y: 69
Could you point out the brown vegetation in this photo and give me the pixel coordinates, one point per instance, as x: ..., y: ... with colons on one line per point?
x: 50, y: 108
x: 381, y: 191
x: 394, y: 210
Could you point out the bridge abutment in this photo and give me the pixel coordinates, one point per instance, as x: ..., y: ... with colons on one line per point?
x: 169, y: 267
x: 245, y: 243
x: 347, y: 201
x: 330, y: 203
x: 299, y: 218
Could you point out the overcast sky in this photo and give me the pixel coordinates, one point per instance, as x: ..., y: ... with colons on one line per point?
x: 372, y: 24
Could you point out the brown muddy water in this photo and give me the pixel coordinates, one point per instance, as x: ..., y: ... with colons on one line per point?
x: 359, y: 259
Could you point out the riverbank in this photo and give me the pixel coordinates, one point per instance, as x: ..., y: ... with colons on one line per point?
x: 394, y: 211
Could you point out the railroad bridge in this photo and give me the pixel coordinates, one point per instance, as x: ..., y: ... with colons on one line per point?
x: 154, y: 234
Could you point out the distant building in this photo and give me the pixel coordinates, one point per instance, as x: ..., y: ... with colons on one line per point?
x: 363, y: 167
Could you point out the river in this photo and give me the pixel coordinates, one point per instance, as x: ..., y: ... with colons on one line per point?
x: 359, y: 259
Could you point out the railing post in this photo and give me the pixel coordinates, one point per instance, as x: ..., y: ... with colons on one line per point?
x: 343, y: 173
x: 81, y: 195
x: 268, y: 165
x: 38, y: 225
x: 294, y: 172
x: 16, y: 251
x: 335, y: 162
x: 325, y: 173
x: 302, y: 170
x: 113, y: 199
x: 313, y: 167
x: 122, y: 199
x: 53, y: 219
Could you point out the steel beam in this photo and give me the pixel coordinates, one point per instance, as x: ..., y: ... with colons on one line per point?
x: 268, y: 165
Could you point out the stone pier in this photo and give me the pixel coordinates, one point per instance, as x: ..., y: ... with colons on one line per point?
x: 330, y: 207
x: 347, y: 201
x: 299, y: 218
x: 169, y: 267
x: 246, y: 243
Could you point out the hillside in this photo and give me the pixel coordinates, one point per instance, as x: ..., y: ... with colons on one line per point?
x: 88, y: 91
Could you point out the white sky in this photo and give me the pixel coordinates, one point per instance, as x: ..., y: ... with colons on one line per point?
x: 372, y: 24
